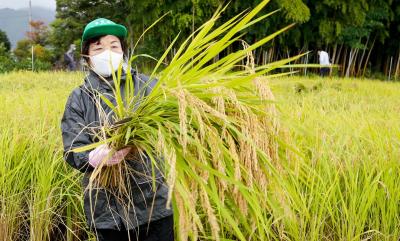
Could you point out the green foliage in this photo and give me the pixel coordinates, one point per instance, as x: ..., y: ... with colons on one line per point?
x: 23, y: 49
x: 295, y: 11
x: 7, y: 64
x: 184, y: 16
x: 5, y: 41
x: 26, y: 64
x: 341, y: 21
x: 321, y: 24
x: 3, y: 50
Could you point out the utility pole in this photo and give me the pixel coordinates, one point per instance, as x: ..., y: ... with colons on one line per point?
x: 30, y: 29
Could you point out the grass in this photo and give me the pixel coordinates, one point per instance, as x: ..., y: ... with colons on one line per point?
x: 339, y: 182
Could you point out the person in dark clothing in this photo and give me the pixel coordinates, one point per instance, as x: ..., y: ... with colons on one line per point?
x: 69, y: 58
x: 146, y: 217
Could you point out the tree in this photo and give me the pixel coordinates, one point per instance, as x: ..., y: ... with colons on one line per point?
x: 72, y: 15
x: 23, y: 49
x: 39, y: 33
x: 5, y: 41
x: 350, y: 31
x: 38, y: 38
x: 183, y: 18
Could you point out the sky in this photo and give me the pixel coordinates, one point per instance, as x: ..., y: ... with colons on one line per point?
x: 16, y: 4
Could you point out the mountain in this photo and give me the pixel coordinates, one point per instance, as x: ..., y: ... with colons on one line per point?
x: 16, y: 22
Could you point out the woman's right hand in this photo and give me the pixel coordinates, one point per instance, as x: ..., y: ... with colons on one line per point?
x: 102, y: 154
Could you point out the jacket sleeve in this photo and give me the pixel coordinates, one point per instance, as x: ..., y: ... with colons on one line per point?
x: 74, y: 134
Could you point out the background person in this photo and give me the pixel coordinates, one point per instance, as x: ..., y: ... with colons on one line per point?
x: 324, y: 61
x: 69, y: 58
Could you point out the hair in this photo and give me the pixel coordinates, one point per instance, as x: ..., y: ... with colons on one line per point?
x: 86, y: 45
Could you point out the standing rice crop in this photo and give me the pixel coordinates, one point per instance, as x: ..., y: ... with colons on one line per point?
x: 39, y: 195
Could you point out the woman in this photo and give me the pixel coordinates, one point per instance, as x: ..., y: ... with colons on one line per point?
x: 147, y: 217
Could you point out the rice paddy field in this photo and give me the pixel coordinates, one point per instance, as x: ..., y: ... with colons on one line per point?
x: 340, y: 180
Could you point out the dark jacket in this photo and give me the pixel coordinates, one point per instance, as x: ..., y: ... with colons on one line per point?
x: 102, y: 209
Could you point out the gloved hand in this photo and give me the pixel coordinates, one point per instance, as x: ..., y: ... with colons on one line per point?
x: 102, y: 154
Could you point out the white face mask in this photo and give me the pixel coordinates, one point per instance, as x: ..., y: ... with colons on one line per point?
x: 106, y: 62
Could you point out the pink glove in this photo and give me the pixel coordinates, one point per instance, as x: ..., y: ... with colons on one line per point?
x: 102, y: 154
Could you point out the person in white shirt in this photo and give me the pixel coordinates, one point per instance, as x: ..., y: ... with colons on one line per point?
x: 324, y: 61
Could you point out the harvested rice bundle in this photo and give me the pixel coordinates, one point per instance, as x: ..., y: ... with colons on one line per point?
x: 210, y: 127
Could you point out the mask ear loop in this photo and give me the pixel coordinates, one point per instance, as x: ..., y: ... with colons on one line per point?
x: 82, y: 55
x: 85, y: 66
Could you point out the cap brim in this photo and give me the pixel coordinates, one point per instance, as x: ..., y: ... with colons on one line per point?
x: 107, y: 29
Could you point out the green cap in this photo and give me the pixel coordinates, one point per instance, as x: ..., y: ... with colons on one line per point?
x: 103, y: 26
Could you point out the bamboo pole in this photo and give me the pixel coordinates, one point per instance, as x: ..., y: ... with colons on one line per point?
x: 354, y: 63
x: 339, y: 54
x: 305, y: 71
x: 390, y: 68
x: 350, y: 62
x: 259, y: 54
x: 344, y: 61
x: 369, y: 54
x: 362, y: 57
x: 271, y: 53
x: 333, y: 59
x: 385, y: 66
x: 397, y: 67
x: 288, y: 55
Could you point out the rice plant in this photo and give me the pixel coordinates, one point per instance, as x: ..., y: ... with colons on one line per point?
x: 36, y: 188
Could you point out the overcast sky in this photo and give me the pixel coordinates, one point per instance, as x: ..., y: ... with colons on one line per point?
x: 15, y: 4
